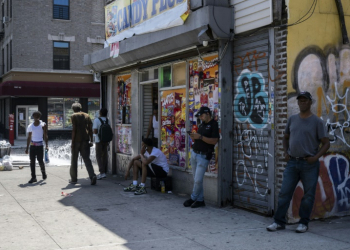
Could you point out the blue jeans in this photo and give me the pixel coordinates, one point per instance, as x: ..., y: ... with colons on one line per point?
x: 308, y: 174
x: 199, y: 165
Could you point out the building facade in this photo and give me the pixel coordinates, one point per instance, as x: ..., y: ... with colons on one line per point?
x: 43, y: 43
x: 257, y: 62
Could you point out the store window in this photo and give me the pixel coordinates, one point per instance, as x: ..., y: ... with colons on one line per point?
x: 165, y: 76
x: 93, y: 107
x: 179, y: 74
x: 204, y: 91
x: 61, y: 9
x: 60, y: 112
x: 123, y: 89
x: 61, y: 56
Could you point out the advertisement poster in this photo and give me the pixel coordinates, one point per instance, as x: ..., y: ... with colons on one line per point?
x: 124, y: 139
x: 173, y: 130
x: 204, y: 91
x: 124, y: 114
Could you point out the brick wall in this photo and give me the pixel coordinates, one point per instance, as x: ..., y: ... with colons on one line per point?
x: 33, y: 22
x: 281, y: 104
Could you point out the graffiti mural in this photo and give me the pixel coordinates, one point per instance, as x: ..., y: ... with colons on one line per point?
x: 333, y: 188
x: 326, y: 75
x: 251, y: 100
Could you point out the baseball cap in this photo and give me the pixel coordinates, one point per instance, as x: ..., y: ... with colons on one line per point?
x: 305, y: 94
x: 203, y: 110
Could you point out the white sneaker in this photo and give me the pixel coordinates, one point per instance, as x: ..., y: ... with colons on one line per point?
x: 274, y: 227
x: 99, y: 176
x: 301, y: 228
x: 104, y: 175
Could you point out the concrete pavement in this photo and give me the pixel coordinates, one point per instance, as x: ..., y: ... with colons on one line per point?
x: 36, y: 216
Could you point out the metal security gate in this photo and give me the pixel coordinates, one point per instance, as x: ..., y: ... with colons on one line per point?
x: 253, y: 105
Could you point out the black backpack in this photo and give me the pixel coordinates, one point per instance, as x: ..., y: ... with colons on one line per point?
x: 105, y: 133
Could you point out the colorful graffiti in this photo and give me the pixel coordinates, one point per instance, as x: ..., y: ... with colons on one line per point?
x: 251, y: 100
x: 326, y: 75
x: 333, y: 188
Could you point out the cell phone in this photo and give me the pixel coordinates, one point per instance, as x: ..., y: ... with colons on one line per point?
x: 189, y: 132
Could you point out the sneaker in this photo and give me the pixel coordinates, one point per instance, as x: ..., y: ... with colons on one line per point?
x: 131, y: 188
x: 104, y: 176
x: 198, y: 204
x: 188, y: 202
x: 32, y: 180
x: 72, y: 182
x: 141, y: 190
x: 274, y: 227
x: 44, y: 175
x: 99, y: 176
x: 93, y: 180
x: 301, y: 228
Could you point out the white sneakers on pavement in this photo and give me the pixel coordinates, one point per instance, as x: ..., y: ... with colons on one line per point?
x: 301, y: 228
x: 100, y: 176
x: 274, y: 227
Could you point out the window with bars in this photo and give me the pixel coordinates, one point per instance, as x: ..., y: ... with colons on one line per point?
x: 61, y: 55
x: 61, y: 9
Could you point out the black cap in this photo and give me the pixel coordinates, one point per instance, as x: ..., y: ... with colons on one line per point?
x: 305, y: 94
x: 203, y: 110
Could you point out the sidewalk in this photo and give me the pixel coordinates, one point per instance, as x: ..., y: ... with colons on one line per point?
x: 104, y: 217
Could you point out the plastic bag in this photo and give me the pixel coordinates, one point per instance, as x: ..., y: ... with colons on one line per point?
x: 7, y: 163
x: 46, y: 156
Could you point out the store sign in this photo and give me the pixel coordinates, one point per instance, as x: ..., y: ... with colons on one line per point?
x: 125, y: 18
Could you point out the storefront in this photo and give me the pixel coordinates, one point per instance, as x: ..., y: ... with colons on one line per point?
x: 53, y: 100
x: 173, y: 71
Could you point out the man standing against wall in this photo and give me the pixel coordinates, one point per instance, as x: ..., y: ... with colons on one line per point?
x: 202, y: 150
x: 81, y: 134
x: 101, y: 147
x: 301, y: 143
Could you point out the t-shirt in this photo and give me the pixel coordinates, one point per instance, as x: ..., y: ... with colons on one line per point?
x: 210, y: 130
x: 81, y: 121
x: 37, y: 131
x: 96, y: 125
x: 160, y: 159
x: 305, y: 135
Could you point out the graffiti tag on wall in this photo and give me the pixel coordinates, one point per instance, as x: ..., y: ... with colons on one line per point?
x: 251, y: 100
x: 333, y: 188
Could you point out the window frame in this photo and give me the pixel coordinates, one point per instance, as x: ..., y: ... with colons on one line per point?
x: 53, y: 55
x: 60, y: 6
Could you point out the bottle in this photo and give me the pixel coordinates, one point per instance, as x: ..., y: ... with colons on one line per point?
x: 162, y: 187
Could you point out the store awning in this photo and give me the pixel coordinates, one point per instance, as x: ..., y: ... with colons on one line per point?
x: 56, y: 89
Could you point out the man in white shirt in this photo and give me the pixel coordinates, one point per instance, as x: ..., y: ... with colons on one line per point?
x: 152, y: 163
x: 37, y: 133
x: 101, y: 147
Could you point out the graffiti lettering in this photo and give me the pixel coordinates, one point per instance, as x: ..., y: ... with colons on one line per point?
x: 258, y: 170
x: 251, y: 100
x: 249, y: 61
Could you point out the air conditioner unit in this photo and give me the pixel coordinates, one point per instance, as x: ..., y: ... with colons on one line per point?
x: 5, y: 19
x: 97, y: 77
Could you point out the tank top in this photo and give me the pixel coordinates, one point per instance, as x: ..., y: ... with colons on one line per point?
x: 37, y: 131
x: 155, y: 127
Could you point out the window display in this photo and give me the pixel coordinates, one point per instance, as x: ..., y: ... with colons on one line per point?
x: 204, y: 91
x: 60, y: 112
x: 93, y: 107
x: 173, y: 130
x: 124, y: 114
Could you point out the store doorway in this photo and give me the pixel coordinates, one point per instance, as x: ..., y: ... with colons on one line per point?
x: 24, y: 116
x: 149, y: 100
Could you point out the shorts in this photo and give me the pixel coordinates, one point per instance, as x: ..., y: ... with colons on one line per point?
x: 158, y: 171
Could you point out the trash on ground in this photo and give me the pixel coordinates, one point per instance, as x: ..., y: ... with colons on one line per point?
x: 66, y: 194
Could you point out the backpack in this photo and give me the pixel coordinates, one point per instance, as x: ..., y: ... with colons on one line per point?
x: 105, y: 133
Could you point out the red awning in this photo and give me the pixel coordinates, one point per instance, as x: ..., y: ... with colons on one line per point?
x: 47, y: 89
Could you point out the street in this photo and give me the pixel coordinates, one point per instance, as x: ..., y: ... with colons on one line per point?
x: 37, y: 216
